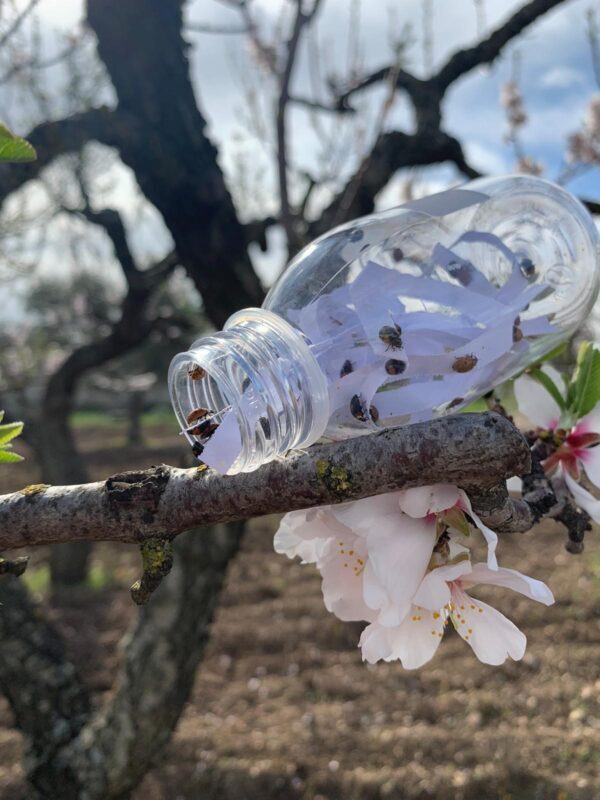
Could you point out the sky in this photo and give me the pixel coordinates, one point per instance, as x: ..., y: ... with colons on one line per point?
x: 554, y: 68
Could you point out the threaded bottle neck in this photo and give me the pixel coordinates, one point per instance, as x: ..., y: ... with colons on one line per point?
x: 261, y: 370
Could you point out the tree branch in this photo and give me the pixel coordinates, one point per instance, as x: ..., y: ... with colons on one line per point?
x: 301, y: 19
x: 471, y: 450
x: 392, y: 151
x: 485, y: 51
x: 53, y: 139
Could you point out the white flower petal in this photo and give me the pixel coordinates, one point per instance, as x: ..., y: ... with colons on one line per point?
x: 582, y: 497
x: 399, y: 550
x: 510, y: 579
x: 492, y: 636
x: 536, y: 403
x: 413, y: 642
x: 590, y: 458
x: 423, y: 500
x: 342, y: 570
x: 360, y: 515
x: 489, y: 535
x: 434, y: 592
x: 375, y: 643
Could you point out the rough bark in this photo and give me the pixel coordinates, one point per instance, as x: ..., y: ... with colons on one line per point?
x: 51, y: 705
x: 119, y: 744
x: 75, y: 754
x: 473, y: 450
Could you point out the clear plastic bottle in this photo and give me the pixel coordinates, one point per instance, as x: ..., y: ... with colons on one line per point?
x: 394, y: 318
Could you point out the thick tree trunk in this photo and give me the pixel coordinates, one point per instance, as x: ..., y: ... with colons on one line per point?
x: 60, y: 462
x: 77, y: 756
x: 173, y: 160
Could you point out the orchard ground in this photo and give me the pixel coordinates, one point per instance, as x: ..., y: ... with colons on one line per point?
x: 284, y: 708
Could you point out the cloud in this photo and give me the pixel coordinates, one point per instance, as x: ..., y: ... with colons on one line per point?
x: 561, y: 78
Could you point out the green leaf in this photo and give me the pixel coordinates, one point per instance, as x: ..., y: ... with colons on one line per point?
x: 13, y: 148
x: 9, y: 432
x: 584, y: 390
x: 6, y: 457
x: 549, y: 385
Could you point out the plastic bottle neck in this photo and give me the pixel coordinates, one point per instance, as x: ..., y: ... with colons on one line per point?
x: 260, y: 369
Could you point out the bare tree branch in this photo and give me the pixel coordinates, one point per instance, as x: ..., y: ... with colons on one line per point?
x: 462, y: 61
x: 489, y: 49
x: 472, y: 450
x: 18, y: 20
x: 53, y: 139
x: 392, y: 151
x: 301, y: 20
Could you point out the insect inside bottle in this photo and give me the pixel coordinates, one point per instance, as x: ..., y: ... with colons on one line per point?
x: 464, y: 363
x: 393, y: 366
x: 391, y: 335
x: 196, y: 414
x: 374, y: 413
x: 527, y: 267
x: 517, y: 333
x: 266, y: 427
x: 347, y: 368
x: 358, y: 409
x: 196, y: 372
x: 197, y: 449
x: 456, y: 402
x: 204, y: 429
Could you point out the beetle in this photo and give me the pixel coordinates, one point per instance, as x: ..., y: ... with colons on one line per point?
x: 196, y: 414
x: 517, y: 333
x: 204, y: 429
x: 347, y: 368
x: 357, y: 409
x: 393, y: 366
x: 196, y: 372
x: 464, y: 363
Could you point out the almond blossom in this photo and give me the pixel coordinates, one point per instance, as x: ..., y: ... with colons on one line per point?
x: 442, y: 598
x: 576, y: 445
x: 398, y: 561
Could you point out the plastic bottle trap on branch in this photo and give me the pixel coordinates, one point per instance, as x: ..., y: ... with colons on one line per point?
x: 391, y: 319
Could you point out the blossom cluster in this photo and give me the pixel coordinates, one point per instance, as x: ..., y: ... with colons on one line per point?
x: 400, y: 562
x: 573, y: 443
x: 584, y: 145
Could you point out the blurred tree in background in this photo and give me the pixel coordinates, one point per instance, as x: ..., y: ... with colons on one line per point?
x: 125, y: 103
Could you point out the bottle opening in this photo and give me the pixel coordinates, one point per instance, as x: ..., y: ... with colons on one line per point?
x: 249, y: 394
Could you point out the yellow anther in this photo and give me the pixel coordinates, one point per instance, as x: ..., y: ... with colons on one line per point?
x: 480, y: 610
x: 350, y: 552
x: 470, y: 630
x: 436, y: 614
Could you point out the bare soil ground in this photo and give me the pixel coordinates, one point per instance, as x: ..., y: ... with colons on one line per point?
x: 284, y: 708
